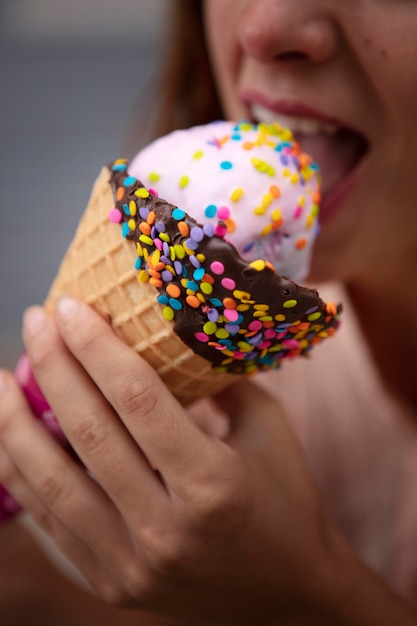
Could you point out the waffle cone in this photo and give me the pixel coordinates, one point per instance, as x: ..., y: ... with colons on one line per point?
x: 99, y: 269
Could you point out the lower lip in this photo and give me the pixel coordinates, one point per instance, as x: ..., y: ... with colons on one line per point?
x: 333, y: 200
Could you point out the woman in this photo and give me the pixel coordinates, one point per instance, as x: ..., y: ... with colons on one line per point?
x: 297, y: 509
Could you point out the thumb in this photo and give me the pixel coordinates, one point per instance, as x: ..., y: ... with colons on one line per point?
x: 262, y: 436
x: 252, y: 412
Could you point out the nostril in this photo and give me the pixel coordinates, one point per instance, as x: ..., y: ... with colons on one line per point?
x: 292, y: 55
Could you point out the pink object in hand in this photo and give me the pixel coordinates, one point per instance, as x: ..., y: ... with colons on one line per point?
x: 36, y: 400
x: 8, y: 506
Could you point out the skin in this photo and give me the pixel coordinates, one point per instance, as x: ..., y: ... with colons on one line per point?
x: 227, y: 530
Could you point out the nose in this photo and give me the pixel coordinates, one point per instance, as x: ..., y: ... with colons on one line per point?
x: 288, y: 30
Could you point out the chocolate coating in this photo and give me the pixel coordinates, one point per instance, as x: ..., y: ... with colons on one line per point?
x: 241, y: 317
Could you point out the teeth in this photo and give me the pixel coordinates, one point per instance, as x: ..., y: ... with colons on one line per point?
x: 304, y: 125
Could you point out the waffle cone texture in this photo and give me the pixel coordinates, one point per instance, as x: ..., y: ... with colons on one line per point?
x: 99, y: 268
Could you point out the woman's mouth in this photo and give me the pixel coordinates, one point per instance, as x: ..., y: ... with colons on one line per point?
x: 340, y: 152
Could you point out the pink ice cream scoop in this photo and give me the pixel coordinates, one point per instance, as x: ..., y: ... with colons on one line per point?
x: 252, y: 182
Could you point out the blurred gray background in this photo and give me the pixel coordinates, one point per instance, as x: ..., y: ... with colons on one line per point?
x: 73, y: 76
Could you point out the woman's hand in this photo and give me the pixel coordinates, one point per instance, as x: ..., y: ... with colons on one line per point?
x: 196, y: 527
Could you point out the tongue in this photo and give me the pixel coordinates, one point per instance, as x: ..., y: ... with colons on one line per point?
x: 335, y: 154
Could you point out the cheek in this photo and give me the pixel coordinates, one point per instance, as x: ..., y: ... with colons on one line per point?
x: 221, y: 26
x: 385, y: 43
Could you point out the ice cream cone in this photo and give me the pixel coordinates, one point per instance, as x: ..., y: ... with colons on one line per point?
x: 99, y: 269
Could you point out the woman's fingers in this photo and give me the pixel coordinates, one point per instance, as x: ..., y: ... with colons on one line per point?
x: 43, y: 479
x: 89, y: 422
x: 80, y: 554
x: 170, y: 439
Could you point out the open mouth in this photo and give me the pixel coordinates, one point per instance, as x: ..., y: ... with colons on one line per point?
x: 339, y: 151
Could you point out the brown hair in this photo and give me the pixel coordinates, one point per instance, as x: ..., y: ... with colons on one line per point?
x: 184, y: 93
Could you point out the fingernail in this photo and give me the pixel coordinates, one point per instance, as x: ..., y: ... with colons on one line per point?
x: 67, y: 307
x: 34, y: 319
